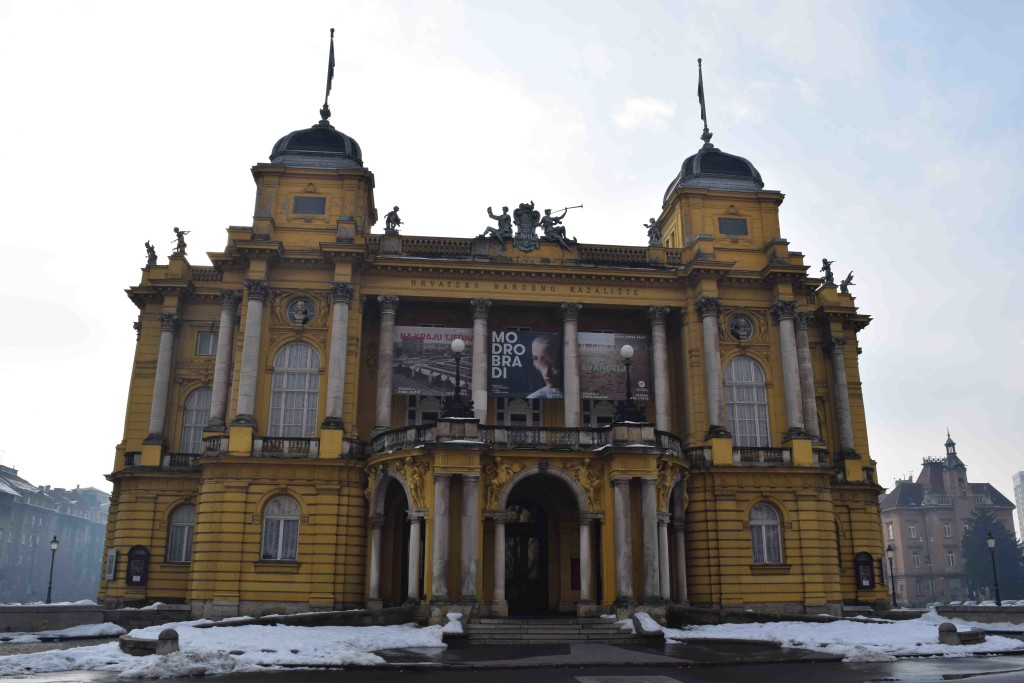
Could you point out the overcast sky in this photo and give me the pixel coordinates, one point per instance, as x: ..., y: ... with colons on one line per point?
x: 893, y: 129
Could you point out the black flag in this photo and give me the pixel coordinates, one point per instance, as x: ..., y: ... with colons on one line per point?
x: 700, y: 94
x: 330, y: 65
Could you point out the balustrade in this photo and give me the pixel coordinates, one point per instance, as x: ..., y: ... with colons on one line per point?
x: 285, y: 447
x: 760, y: 455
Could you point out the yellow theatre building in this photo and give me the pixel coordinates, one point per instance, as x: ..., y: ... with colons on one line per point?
x: 333, y: 417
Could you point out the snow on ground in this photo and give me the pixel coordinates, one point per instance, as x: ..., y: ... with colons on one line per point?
x: 82, y: 631
x: 860, y: 640
x: 208, y: 651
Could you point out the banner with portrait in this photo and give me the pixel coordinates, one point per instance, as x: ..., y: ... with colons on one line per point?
x: 424, y: 364
x: 603, y: 372
x: 525, y: 364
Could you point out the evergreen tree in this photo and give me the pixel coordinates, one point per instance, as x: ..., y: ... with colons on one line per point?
x: 978, y: 558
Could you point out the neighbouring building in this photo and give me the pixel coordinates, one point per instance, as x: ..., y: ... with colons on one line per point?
x: 925, y: 520
x: 1018, y: 495
x: 30, y: 517
x: 293, y: 443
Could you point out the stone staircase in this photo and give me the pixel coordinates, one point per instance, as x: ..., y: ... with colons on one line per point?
x: 508, y: 631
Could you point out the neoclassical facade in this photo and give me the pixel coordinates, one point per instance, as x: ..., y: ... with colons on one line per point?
x: 292, y: 441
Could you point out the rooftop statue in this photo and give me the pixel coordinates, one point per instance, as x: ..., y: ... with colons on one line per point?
x: 150, y: 255
x: 554, y: 231
x: 653, y: 233
x: 504, y: 230
x: 179, y: 242
x: 844, y: 286
x: 826, y: 267
x: 391, y: 222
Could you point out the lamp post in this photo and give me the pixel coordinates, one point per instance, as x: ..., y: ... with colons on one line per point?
x: 53, y: 554
x: 627, y: 411
x: 890, y: 552
x: 454, y: 406
x: 991, y: 543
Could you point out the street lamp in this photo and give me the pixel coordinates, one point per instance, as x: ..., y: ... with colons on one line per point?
x: 991, y: 543
x: 890, y: 552
x: 627, y: 411
x: 53, y: 554
x: 454, y: 405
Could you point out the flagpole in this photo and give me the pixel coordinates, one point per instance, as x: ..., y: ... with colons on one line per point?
x: 325, y: 112
x: 706, y: 135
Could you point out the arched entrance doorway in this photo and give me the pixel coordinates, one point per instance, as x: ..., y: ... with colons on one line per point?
x: 542, y: 543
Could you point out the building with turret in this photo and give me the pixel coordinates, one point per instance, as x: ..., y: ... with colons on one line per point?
x: 333, y: 416
x: 924, y: 522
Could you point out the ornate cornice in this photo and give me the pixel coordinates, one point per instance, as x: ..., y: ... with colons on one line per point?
x: 783, y: 309
x: 657, y: 314
x: 708, y: 305
x: 257, y: 289
x: 571, y: 311
x: 342, y: 292
x: 388, y: 303
x: 481, y: 307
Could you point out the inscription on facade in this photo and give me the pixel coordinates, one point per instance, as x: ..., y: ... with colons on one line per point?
x: 523, y: 287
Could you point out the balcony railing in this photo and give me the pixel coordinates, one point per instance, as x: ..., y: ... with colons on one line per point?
x: 760, y: 455
x: 936, y: 499
x: 403, y: 438
x: 552, y: 438
x: 215, y: 445
x: 285, y: 447
x: 670, y: 442
x: 697, y: 456
x: 179, y: 461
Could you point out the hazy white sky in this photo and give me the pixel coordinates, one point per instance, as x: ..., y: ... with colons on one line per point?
x: 893, y: 128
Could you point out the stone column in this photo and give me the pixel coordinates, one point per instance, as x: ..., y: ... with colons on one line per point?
x: 785, y: 311
x: 570, y: 363
x: 257, y: 291
x: 376, y: 526
x: 439, y: 551
x: 385, y: 356
x: 499, y: 558
x: 470, y: 525
x: 663, y: 570
x: 481, y: 307
x: 586, y: 563
x: 662, y: 419
x: 413, y: 587
x: 678, y: 520
x: 169, y: 323
x: 803, y: 356
x: 649, y: 526
x: 836, y: 349
x: 623, y: 543
x: 708, y: 309
x: 229, y: 299
x: 341, y: 293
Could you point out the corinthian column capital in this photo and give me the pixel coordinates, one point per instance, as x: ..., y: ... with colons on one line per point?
x: 388, y: 303
x: 169, y: 322
x: 342, y: 292
x: 257, y: 289
x: 708, y: 305
x: 657, y: 314
x: 784, y: 310
x: 834, y: 345
x: 801, y: 320
x: 481, y: 307
x: 229, y: 298
x: 571, y: 311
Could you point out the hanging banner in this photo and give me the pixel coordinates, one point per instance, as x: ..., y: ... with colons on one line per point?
x: 525, y: 364
x: 603, y: 372
x: 424, y: 364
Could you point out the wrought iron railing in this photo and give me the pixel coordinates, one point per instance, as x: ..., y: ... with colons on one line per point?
x: 179, y: 461
x: 760, y: 455
x: 285, y: 447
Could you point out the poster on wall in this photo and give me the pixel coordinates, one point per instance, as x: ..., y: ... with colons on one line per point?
x: 424, y: 364
x: 525, y: 364
x: 602, y: 371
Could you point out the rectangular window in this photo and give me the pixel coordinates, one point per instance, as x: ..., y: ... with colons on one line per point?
x: 947, y: 530
x: 915, y: 558
x: 951, y: 558
x: 888, y: 529
x: 310, y: 205
x: 912, y: 530
x: 736, y: 227
x: 919, y: 586
x: 206, y: 344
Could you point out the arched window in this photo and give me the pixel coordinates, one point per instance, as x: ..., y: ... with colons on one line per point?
x: 295, y: 391
x: 197, y: 416
x: 746, y: 402
x: 280, y: 529
x: 179, y: 540
x: 765, y: 534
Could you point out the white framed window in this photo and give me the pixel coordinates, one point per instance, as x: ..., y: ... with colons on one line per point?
x: 912, y: 530
x: 951, y: 558
x: 422, y: 410
x: 746, y: 402
x: 597, y: 413
x: 888, y: 530
x: 295, y: 391
x: 280, y: 529
x: 947, y: 530
x: 765, y: 534
x: 915, y: 558
x: 517, y: 412
x: 206, y: 344
x: 179, y: 538
x: 197, y: 416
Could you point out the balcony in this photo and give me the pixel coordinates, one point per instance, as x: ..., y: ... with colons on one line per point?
x: 179, y: 462
x: 761, y: 455
x: 285, y: 447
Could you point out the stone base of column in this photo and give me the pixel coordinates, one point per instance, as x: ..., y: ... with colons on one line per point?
x: 847, y: 455
x: 588, y: 608
x: 379, y: 430
x: 243, y: 421
x: 628, y: 603
x: 331, y: 423
x: 794, y: 433
x: 717, y: 432
x: 216, y: 427
x: 499, y: 608
x: 374, y: 604
x: 154, y: 439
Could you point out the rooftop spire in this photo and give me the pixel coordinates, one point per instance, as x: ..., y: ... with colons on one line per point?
x: 706, y: 135
x: 325, y: 111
